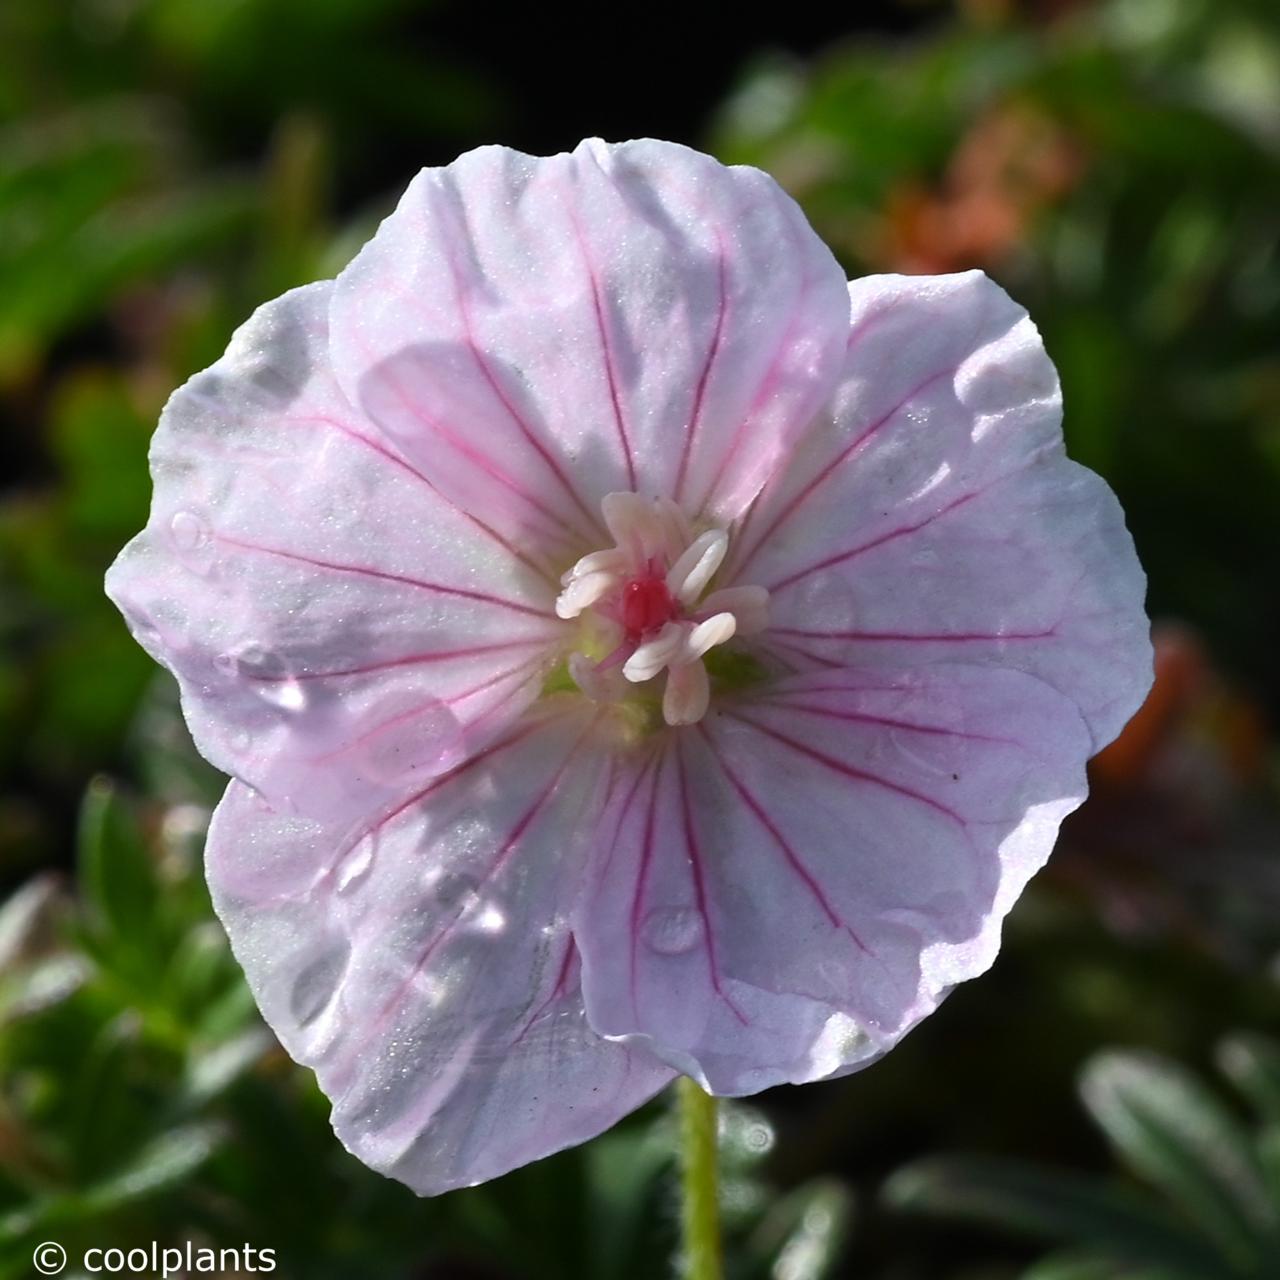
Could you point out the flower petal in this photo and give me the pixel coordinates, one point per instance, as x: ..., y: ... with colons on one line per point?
x: 538, y: 333
x: 802, y: 878
x: 335, y: 626
x: 934, y: 516
x: 422, y: 962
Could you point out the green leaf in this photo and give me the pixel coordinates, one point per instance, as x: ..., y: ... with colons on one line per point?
x: 802, y: 1236
x: 117, y: 874
x: 1252, y: 1064
x: 1053, y: 1205
x: 161, y: 1165
x: 626, y: 1170
x: 1172, y: 1131
x: 1081, y: 1266
x: 213, y: 1070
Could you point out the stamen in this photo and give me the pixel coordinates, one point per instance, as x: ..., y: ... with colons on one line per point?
x: 644, y: 596
x: 650, y: 657
x: 688, y: 577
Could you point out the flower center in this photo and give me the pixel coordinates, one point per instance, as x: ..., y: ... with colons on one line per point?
x: 646, y: 605
x: 646, y: 602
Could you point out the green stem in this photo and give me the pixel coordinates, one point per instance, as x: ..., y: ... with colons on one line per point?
x: 700, y: 1211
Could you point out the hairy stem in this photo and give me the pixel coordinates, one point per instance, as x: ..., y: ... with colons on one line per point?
x: 700, y: 1183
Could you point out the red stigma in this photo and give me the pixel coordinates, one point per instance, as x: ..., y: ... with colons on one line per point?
x: 646, y: 606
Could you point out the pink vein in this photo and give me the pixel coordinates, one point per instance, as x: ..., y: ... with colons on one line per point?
x: 640, y: 775
x: 766, y: 385
x: 732, y: 569
x: 695, y: 419
x: 435, y: 784
x: 793, y: 859
x: 642, y: 877
x: 482, y: 364
x: 888, y: 722
x: 560, y: 988
x: 825, y: 474
x: 605, y: 349
x: 503, y: 856
x: 909, y: 637
x: 901, y: 532
x: 481, y: 461
x: 425, y: 705
x: 405, y: 465
x: 364, y: 571
x: 848, y: 770
x: 411, y: 660
x: 775, y: 643
x: 700, y: 890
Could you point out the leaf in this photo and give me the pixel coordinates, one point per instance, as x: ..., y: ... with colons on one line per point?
x: 803, y: 1235
x: 1252, y: 1064
x: 211, y: 1071
x: 116, y: 872
x: 1055, y: 1205
x: 1081, y: 1266
x: 1175, y: 1133
x: 162, y: 1164
x: 25, y: 916
x: 626, y: 1170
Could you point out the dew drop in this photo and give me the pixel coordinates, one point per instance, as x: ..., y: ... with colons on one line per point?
x: 317, y: 983
x: 671, y: 931
x: 923, y: 754
x: 252, y: 658
x: 491, y: 919
x: 456, y: 891
x: 288, y: 695
x: 357, y: 865
x: 188, y: 531
x: 418, y: 743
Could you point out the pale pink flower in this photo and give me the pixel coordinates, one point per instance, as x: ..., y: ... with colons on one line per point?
x: 635, y: 649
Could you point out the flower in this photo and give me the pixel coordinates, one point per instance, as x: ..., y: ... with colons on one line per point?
x: 635, y: 649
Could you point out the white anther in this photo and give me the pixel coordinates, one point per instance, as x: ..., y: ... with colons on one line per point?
x: 610, y: 560
x: 634, y: 523
x: 688, y: 577
x: 649, y: 534
x: 706, y: 635
x: 582, y: 593
x: 650, y: 657
x: 688, y: 691
x: 749, y: 605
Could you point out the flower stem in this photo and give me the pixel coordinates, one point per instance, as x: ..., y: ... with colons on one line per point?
x: 700, y: 1210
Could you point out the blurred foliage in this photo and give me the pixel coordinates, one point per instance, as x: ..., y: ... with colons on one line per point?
x: 1218, y: 1178
x: 1118, y: 170
x: 165, y: 165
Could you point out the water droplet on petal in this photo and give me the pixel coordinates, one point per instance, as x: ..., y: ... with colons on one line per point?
x: 490, y: 919
x: 357, y: 864
x: 671, y: 931
x: 188, y: 531
x: 288, y: 695
x: 929, y: 755
x: 418, y: 743
x: 456, y: 891
x: 317, y: 983
x: 250, y: 659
